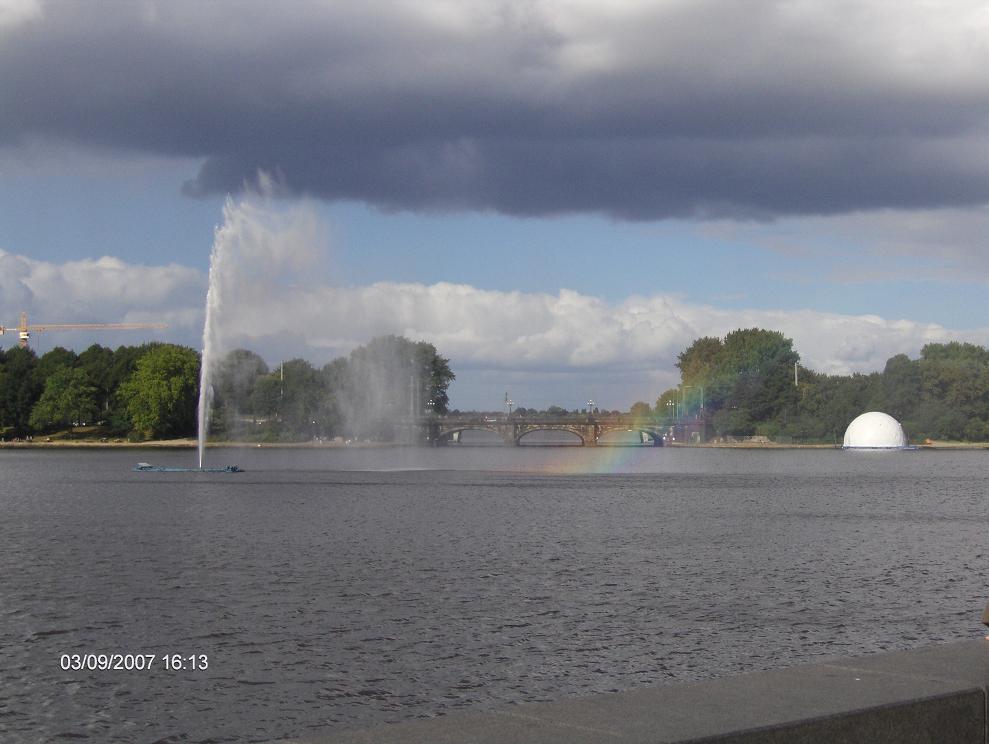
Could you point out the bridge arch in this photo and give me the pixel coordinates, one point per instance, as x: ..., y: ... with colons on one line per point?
x: 579, y: 433
x: 654, y: 435
x: 451, y: 434
x: 587, y: 431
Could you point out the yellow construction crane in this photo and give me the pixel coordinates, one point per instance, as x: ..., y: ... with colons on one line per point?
x: 24, y: 330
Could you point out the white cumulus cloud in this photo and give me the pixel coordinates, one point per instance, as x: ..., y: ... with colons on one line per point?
x: 15, y: 12
x: 550, y: 346
x: 101, y: 290
x: 564, y: 330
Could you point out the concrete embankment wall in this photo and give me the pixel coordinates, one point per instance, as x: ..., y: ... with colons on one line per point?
x: 935, y: 694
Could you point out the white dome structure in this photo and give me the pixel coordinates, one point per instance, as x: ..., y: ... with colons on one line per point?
x: 875, y: 430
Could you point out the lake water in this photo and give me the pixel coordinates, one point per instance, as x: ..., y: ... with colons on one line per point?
x: 337, y: 588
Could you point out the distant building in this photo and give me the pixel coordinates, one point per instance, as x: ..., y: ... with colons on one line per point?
x: 875, y: 430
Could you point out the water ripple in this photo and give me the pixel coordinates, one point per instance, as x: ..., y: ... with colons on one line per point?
x: 326, y: 599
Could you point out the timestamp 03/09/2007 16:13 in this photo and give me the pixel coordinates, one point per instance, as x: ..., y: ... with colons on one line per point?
x: 173, y: 662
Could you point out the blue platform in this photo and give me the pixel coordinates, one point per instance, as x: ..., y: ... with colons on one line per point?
x: 144, y: 467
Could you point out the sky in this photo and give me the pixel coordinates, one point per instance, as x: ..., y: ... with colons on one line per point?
x: 561, y: 195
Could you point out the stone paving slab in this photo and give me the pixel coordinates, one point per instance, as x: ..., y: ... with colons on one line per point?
x: 935, y: 694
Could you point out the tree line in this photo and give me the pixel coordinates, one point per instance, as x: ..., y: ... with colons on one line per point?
x: 740, y: 385
x: 751, y: 383
x: 152, y: 391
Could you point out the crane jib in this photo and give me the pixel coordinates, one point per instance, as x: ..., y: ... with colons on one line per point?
x: 24, y: 330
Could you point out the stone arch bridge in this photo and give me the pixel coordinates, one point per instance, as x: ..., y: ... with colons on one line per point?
x: 589, y: 429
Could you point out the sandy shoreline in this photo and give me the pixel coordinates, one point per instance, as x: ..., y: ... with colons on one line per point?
x: 181, y: 444
x: 188, y: 443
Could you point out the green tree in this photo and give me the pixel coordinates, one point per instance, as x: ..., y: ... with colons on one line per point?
x: 666, y: 405
x: 265, y: 396
x: 733, y: 422
x: 901, y: 387
x: 68, y: 397
x: 640, y: 411
x: 391, y: 377
x: 827, y: 403
x: 297, y: 402
x: 954, y: 392
x: 957, y: 375
x: 235, y: 378
x: 122, y: 366
x: 437, y: 376
x: 701, y: 362
x: 301, y: 405
x: 161, y: 395
x: 20, y: 389
x: 748, y: 381
x: 761, y: 365
x: 97, y: 361
x: 54, y: 360
x: 748, y: 374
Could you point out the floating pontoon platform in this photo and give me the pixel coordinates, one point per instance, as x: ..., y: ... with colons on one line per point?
x: 145, y: 467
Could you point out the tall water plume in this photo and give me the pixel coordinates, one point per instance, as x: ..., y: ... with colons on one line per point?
x: 211, y: 329
x: 259, y: 252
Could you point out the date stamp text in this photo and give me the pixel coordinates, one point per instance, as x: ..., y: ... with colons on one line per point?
x: 104, y: 662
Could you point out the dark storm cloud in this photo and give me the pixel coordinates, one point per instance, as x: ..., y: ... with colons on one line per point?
x: 641, y: 111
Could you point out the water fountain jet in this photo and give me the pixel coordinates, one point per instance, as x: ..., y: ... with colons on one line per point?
x: 209, y: 337
x: 217, y: 261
